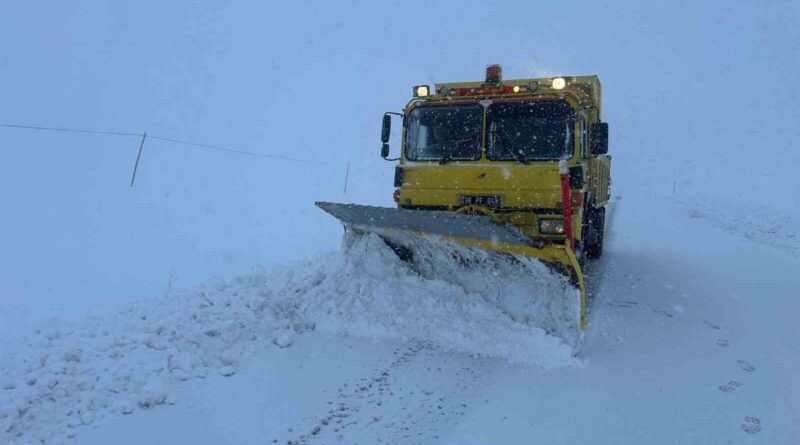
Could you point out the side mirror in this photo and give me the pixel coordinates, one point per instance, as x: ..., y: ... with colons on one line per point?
x: 599, y: 141
x: 386, y: 130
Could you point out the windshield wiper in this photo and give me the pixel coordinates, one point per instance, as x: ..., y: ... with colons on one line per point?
x: 509, y: 150
x: 448, y: 153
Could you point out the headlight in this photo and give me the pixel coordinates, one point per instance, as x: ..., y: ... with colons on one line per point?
x: 559, y: 83
x: 551, y: 226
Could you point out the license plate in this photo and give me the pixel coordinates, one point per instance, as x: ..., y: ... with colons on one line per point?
x: 491, y: 201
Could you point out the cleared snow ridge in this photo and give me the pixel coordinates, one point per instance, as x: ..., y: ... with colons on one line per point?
x: 66, y: 375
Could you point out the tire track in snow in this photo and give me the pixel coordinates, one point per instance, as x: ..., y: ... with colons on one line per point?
x: 421, y: 392
x: 353, y: 397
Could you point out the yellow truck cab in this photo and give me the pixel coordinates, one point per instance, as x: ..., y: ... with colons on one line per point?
x: 493, y: 148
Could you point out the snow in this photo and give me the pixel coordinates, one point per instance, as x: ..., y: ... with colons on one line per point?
x: 71, y: 374
x: 692, y: 334
x: 669, y: 357
x: 760, y: 223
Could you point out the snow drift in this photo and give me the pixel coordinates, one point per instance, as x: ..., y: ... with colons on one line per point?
x: 66, y: 375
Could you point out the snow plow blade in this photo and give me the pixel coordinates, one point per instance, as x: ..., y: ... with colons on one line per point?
x: 400, y: 227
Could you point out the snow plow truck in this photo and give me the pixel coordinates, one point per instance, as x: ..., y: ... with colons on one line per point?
x: 517, y: 168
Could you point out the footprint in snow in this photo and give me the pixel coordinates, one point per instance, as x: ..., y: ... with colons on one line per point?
x: 730, y: 386
x: 664, y: 313
x: 751, y: 425
x: 694, y: 213
x: 746, y: 366
x: 722, y: 343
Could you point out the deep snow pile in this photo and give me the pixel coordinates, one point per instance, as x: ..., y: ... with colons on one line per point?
x: 454, y: 297
x: 66, y: 375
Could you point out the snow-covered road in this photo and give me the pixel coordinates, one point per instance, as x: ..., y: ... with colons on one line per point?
x: 692, y: 339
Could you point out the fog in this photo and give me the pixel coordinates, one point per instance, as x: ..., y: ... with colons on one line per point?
x: 700, y: 99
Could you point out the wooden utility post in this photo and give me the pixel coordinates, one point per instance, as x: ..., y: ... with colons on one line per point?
x: 346, y: 176
x: 138, y: 156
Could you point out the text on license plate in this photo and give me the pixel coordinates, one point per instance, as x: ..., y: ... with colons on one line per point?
x: 491, y: 201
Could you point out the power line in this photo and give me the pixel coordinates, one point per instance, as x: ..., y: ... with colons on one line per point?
x: 177, y: 141
x: 243, y: 152
x: 70, y: 130
x: 191, y: 144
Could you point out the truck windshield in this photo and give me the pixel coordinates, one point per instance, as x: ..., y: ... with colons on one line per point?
x: 528, y: 130
x: 442, y: 133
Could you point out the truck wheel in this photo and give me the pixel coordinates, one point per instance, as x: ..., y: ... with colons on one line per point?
x: 596, y: 226
x: 579, y: 255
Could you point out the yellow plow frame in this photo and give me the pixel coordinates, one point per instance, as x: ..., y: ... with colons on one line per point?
x: 472, y: 231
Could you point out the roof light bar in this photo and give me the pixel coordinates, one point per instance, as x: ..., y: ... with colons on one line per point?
x: 487, y: 91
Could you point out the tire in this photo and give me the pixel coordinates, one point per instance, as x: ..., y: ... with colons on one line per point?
x: 579, y: 254
x: 596, y: 228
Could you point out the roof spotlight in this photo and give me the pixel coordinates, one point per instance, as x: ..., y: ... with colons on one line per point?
x: 421, y: 91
